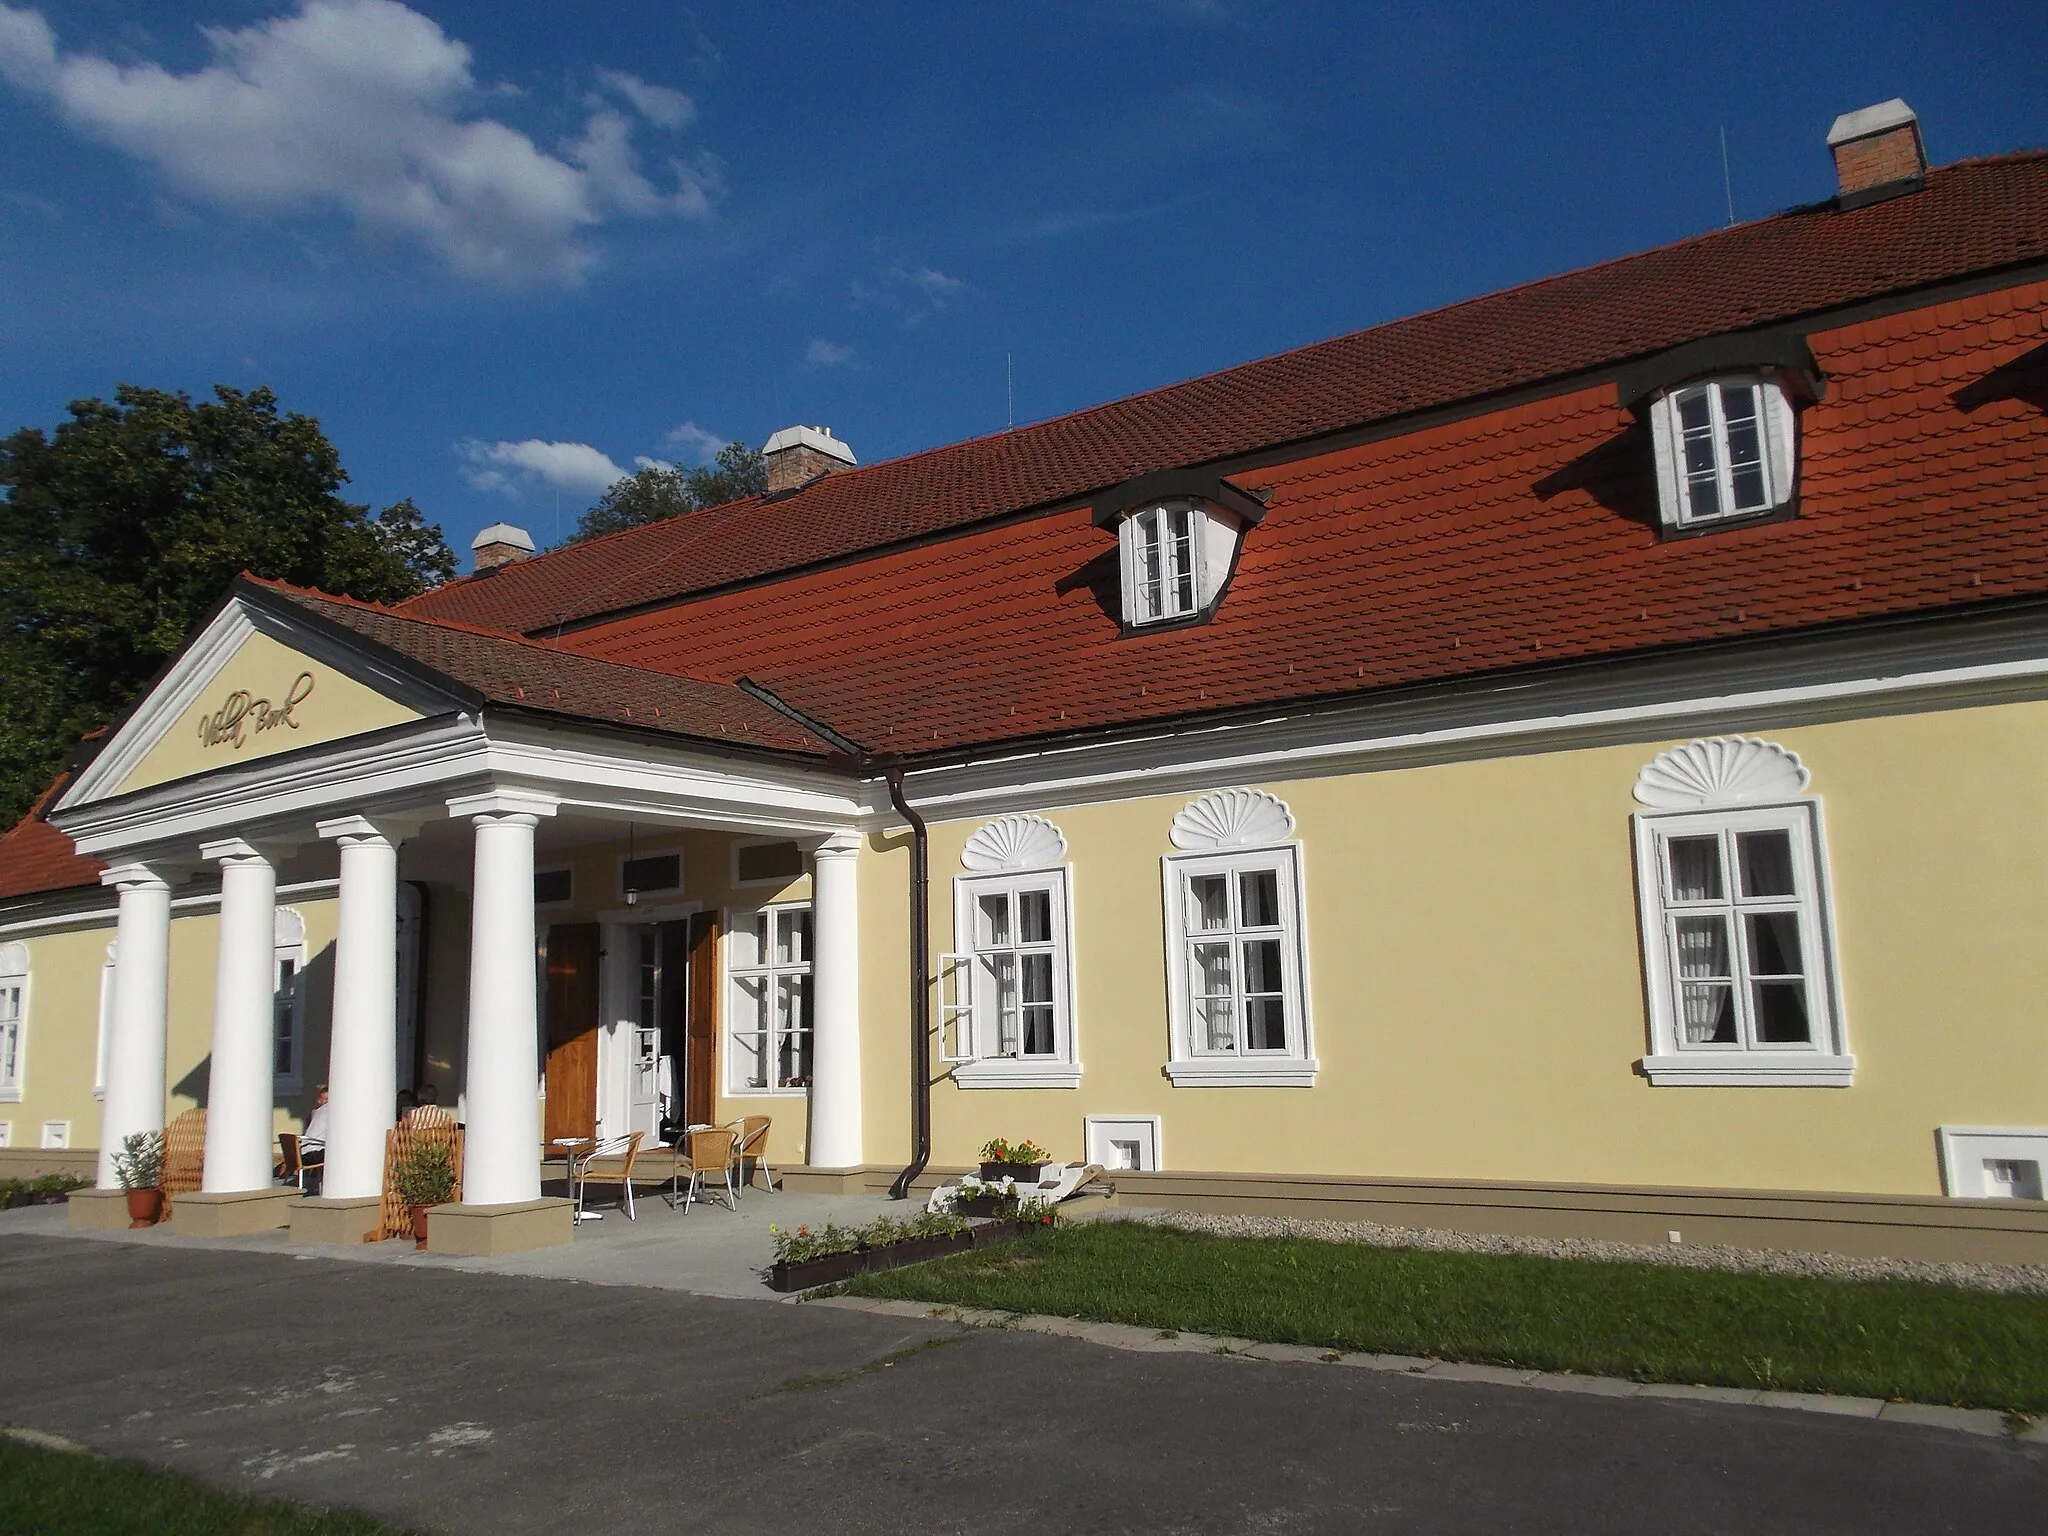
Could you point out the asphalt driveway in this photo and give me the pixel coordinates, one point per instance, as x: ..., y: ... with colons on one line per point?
x: 492, y: 1403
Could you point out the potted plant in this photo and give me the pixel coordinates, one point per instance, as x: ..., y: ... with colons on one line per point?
x: 1019, y: 1160
x: 139, y: 1165
x: 424, y: 1179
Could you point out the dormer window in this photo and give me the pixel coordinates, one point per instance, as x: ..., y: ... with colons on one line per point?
x: 1176, y: 557
x: 1724, y: 450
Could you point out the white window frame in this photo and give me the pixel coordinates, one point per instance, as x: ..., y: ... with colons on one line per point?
x: 1192, y: 570
x: 1777, y: 426
x: 14, y: 993
x: 1826, y: 1062
x: 288, y: 1009
x: 1193, y: 1064
x: 771, y: 974
x: 773, y: 882
x: 966, y: 988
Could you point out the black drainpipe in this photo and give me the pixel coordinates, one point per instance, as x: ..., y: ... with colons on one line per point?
x: 920, y: 991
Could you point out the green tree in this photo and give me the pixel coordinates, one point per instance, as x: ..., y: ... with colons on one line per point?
x: 661, y: 491
x: 120, y: 530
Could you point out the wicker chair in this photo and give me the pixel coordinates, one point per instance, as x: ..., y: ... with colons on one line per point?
x: 753, y: 1143
x: 710, y: 1153
x: 184, y: 1156
x: 618, y: 1153
x: 430, y: 1122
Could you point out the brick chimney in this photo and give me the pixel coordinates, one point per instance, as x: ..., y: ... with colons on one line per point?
x: 798, y: 455
x: 500, y: 544
x: 1878, y: 153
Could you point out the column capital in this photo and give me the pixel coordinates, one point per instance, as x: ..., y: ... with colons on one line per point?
x: 504, y: 802
x: 842, y: 844
x: 377, y: 826
x: 135, y: 876
x: 239, y: 850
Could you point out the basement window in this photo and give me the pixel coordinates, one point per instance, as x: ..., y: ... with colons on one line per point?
x: 1724, y: 450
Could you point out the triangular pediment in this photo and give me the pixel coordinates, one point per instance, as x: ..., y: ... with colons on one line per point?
x: 256, y: 681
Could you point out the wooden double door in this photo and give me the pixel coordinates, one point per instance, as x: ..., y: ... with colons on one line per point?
x: 675, y: 980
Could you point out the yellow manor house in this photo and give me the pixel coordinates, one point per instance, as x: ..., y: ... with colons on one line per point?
x: 1568, y: 763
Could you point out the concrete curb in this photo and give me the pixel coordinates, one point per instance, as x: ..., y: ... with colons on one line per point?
x: 1971, y: 1421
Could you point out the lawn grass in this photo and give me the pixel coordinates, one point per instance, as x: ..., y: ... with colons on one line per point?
x: 44, y: 1490
x: 1648, y: 1322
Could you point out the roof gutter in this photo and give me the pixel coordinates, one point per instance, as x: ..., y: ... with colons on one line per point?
x: 920, y: 926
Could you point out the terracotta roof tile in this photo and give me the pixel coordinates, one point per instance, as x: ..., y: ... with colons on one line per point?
x: 1971, y: 217
x: 36, y: 857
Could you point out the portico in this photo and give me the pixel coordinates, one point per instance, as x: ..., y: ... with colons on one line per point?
x: 461, y: 805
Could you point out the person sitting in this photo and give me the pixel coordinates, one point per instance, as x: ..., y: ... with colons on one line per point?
x: 429, y: 1094
x: 313, y: 1142
x: 408, y: 1101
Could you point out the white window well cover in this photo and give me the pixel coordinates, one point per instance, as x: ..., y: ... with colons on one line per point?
x: 1122, y: 1142
x: 1725, y: 448
x: 1175, y: 557
x: 1988, y: 1162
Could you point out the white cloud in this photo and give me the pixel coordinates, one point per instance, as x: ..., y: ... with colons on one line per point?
x: 935, y: 285
x: 365, y: 107
x: 827, y: 354
x: 657, y: 103
x: 913, y: 290
x: 534, y: 464
x: 695, y: 443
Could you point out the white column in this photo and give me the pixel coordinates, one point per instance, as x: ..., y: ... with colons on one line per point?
x: 362, y: 1060
x: 501, y: 1146
x: 240, y: 1089
x: 835, y: 1004
x: 135, y: 1049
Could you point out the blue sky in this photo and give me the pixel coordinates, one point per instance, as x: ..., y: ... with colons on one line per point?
x: 499, y: 249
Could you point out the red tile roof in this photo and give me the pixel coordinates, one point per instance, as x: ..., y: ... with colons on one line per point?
x: 1972, y: 217
x: 36, y: 857
x: 509, y: 671
x: 1502, y: 540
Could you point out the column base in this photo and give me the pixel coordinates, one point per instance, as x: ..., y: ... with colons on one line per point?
x: 98, y: 1210
x: 235, y: 1213
x: 317, y: 1219
x: 808, y: 1180
x: 483, y: 1230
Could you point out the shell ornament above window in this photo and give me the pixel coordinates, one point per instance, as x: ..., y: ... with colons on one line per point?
x: 1014, y: 842
x: 1232, y: 818
x: 1721, y: 770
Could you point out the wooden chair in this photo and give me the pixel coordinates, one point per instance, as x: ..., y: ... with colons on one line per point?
x: 709, y: 1153
x: 289, y: 1163
x: 184, y: 1155
x: 430, y: 1122
x: 620, y: 1153
x: 753, y: 1143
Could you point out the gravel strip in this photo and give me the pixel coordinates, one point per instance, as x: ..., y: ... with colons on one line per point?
x: 2030, y: 1278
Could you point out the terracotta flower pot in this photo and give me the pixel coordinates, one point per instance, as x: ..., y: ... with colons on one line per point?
x: 419, y: 1225
x: 145, y: 1207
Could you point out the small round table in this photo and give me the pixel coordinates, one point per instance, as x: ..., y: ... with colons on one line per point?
x: 569, y: 1144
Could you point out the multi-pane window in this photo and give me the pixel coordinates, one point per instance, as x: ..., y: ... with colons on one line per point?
x: 1736, y: 936
x: 768, y: 1015
x: 1235, y: 947
x: 13, y: 1000
x: 1725, y: 450
x: 1162, y: 563
x: 1005, y: 992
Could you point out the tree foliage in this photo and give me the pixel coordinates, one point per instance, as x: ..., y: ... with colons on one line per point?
x: 661, y: 491
x: 120, y: 530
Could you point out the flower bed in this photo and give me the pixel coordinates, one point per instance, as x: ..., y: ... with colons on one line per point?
x: 805, y: 1258
x: 49, y: 1189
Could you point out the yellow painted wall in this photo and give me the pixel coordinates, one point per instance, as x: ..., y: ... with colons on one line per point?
x: 63, y: 1026
x: 266, y: 669
x: 1476, y: 976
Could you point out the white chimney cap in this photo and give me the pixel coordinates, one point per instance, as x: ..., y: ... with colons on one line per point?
x: 1865, y: 121
x: 820, y: 438
x: 503, y: 533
